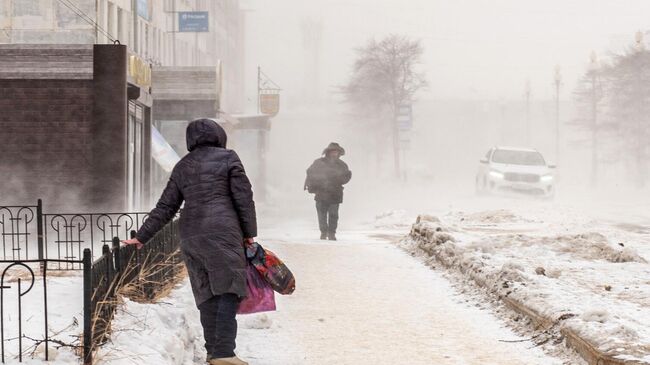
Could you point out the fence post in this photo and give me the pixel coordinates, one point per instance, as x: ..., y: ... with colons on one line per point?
x: 116, y: 255
x: 88, y: 312
x: 39, y: 229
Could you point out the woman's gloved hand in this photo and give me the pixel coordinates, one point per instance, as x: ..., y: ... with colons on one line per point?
x: 133, y: 241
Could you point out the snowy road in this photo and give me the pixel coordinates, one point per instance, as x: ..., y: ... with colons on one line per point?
x: 363, y: 301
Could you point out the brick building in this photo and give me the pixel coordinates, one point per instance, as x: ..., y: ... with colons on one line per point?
x: 74, y: 127
x: 78, y: 117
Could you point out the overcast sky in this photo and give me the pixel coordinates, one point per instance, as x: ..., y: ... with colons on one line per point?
x: 473, y: 48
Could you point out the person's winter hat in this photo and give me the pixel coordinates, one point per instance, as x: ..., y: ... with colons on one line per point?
x: 334, y: 147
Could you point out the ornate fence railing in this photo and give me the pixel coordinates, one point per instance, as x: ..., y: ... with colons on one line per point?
x: 20, y: 230
x: 24, y: 282
x: 67, y: 235
x: 27, y: 233
x: 34, y: 242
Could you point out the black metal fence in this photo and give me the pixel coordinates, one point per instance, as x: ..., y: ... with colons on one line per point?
x: 70, y: 241
x: 20, y: 228
x: 136, y: 273
x: 27, y: 233
x: 26, y: 280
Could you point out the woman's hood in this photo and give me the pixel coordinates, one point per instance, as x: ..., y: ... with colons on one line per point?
x: 205, y: 132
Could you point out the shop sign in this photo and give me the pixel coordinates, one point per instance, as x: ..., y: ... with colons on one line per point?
x: 193, y: 21
x: 270, y: 104
x: 140, y: 71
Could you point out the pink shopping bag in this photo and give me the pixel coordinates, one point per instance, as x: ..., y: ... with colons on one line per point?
x: 261, y: 297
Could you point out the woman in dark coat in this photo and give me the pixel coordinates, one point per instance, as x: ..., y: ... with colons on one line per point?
x: 217, y: 219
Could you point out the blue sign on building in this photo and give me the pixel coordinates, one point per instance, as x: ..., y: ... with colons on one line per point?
x: 193, y: 21
x: 142, y: 8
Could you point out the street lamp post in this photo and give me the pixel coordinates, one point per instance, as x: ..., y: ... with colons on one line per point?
x: 593, y: 70
x: 558, y: 84
x: 527, y: 93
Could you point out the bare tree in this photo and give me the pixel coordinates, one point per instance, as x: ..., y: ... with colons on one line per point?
x: 589, y: 97
x: 628, y: 80
x: 614, y: 101
x: 384, y: 78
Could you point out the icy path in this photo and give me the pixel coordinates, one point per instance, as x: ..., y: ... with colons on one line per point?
x: 363, y: 301
x: 358, y: 301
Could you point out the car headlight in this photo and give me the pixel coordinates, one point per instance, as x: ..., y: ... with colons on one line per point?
x: 496, y: 174
x: 547, y: 178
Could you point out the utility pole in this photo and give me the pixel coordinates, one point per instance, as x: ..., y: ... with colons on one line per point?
x: 527, y: 93
x: 312, y: 30
x: 640, y: 145
x: 259, y: 88
x: 593, y: 68
x: 396, y: 151
x: 558, y: 84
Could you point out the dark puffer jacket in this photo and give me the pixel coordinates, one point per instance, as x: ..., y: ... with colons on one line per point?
x: 326, y: 177
x: 219, y: 212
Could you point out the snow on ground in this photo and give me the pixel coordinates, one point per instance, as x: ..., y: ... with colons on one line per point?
x: 360, y: 300
x: 560, y: 260
x: 65, y: 315
x: 168, y: 332
x: 363, y: 301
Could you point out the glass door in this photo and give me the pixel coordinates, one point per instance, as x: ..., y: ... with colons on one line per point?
x: 135, y: 159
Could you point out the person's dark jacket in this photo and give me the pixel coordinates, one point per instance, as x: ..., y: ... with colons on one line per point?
x: 219, y: 212
x: 325, y: 178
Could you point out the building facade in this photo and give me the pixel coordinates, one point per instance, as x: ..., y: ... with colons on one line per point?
x: 76, y: 128
x: 154, y: 30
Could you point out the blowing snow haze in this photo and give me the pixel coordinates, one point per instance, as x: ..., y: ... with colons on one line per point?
x: 473, y: 48
x: 434, y: 179
x: 499, y: 73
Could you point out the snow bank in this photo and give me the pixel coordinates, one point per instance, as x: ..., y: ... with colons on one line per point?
x: 167, y: 332
x: 579, y: 281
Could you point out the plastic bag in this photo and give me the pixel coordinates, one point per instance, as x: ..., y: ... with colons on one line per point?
x: 260, y: 298
x: 272, y: 269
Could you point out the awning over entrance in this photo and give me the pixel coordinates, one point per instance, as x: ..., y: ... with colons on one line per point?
x: 162, y: 152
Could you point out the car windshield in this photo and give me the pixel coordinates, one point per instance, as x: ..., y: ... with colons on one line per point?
x: 509, y: 157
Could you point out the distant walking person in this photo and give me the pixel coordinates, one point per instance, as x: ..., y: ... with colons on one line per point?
x: 325, y: 178
x: 216, y: 222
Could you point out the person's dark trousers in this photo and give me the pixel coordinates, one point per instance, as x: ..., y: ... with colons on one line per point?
x: 328, y: 217
x: 219, y: 325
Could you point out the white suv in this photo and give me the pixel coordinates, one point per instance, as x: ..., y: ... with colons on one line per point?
x: 508, y: 169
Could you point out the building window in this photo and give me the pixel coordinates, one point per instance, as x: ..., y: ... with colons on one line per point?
x: 111, y: 20
x: 135, y: 160
x: 120, y: 26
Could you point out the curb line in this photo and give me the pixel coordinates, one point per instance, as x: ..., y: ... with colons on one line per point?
x: 583, y: 347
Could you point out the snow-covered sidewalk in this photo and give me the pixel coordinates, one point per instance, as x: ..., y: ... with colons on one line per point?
x: 358, y: 301
x: 559, y: 262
